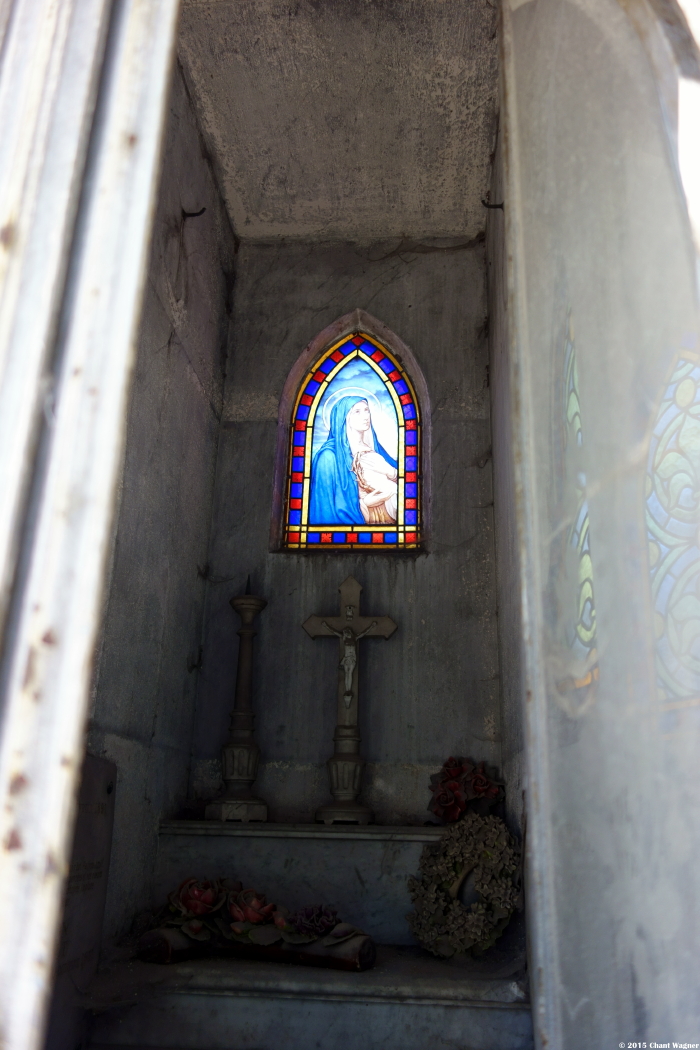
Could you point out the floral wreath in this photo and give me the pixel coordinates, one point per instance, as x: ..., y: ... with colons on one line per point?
x: 477, y: 844
x: 441, y: 923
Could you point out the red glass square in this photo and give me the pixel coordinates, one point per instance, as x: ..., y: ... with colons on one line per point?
x: 405, y: 399
x: 412, y: 476
x: 296, y: 476
x: 326, y: 537
x: 295, y: 504
x: 337, y: 356
x: 358, y: 340
x: 377, y: 537
x: 293, y: 537
x: 300, y: 424
x: 351, y: 537
x: 394, y: 376
x: 320, y: 377
x: 306, y: 399
x: 411, y: 537
x: 410, y: 424
x: 411, y: 504
x: 377, y: 356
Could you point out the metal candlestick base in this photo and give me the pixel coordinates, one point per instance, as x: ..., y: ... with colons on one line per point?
x: 240, y: 756
x: 244, y: 810
x: 344, y: 813
x: 345, y: 776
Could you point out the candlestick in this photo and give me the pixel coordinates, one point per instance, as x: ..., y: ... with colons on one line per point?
x: 240, y: 755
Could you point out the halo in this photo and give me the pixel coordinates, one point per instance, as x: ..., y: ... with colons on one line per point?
x: 367, y: 395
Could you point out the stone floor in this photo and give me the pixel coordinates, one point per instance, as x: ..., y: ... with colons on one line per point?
x: 409, y: 1001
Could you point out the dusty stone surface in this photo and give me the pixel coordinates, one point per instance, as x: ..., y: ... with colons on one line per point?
x: 432, y: 689
x: 351, y: 120
x: 145, y: 684
x: 613, y: 780
x: 508, y: 554
x: 398, y: 1005
x: 398, y: 974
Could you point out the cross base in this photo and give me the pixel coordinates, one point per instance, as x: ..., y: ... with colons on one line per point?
x: 344, y: 813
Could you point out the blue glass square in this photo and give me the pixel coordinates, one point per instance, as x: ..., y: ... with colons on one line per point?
x: 347, y: 348
x: 295, y: 517
x: 411, y: 491
x: 411, y: 463
x: 411, y: 437
x: 400, y: 387
x: 390, y: 537
x: 328, y: 365
x: 365, y: 537
x: 313, y: 537
x: 409, y: 412
x: 368, y: 348
x: 303, y: 412
x: 296, y: 490
x: 386, y: 365
x: 298, y: 464
x: 299, y: 437
x: 311, y: 387
x: 411, y: 516
x: 339, y: 537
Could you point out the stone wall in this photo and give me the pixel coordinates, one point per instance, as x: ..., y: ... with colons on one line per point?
x: 432, y: 690
x: 146, y: 675
x: 604, y: 274
x: 504, y: 407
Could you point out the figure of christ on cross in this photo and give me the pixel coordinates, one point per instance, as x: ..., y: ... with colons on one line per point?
x: 345, y: 767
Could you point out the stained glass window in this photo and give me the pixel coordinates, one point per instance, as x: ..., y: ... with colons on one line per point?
x: 575, y: 660
x: 581, y: 627
x: 354, y: 463
x: 673, y: 520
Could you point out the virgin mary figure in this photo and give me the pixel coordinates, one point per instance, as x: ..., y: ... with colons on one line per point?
x: 353, y: 478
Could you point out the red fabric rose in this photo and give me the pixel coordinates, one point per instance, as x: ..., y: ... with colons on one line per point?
x: 459, y: 783
x: 448, y: 802
x: 481, y: 785
x: 455, y: 768
x: 249, y: 906
x: 198, y: 898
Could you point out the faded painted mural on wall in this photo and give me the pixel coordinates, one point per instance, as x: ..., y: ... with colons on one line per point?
x: 354, y: 474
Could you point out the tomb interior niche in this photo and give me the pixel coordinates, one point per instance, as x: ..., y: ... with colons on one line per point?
x: 432, y: 690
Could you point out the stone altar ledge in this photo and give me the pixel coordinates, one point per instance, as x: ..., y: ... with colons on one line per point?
x: 332, y: 832
x: 360, y: 870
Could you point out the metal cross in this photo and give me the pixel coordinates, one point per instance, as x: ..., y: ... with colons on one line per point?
x: 345, y: 767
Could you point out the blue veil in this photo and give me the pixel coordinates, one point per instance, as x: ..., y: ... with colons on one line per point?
x: 334, y: 495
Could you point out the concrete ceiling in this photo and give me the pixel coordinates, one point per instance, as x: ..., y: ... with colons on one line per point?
x: 346, y: 119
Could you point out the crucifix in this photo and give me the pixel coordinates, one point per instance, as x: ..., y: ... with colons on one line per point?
x: 345, y: 767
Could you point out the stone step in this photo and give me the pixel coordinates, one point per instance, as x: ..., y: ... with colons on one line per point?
x: 362, y: 871
x: 409, y: 1001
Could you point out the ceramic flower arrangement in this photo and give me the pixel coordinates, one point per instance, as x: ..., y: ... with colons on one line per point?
x: 204, y: 916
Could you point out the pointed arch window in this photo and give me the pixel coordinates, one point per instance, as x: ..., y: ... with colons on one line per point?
x: 354, y: 462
